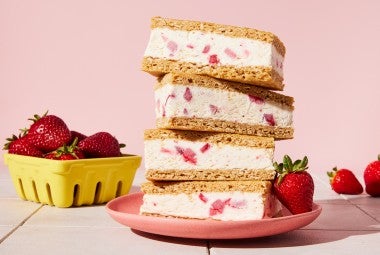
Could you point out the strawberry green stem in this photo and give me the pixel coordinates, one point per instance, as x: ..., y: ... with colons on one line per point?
x: 288, y: 166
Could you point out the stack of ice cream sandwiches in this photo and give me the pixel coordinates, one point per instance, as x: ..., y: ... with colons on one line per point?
x: 217, y: 119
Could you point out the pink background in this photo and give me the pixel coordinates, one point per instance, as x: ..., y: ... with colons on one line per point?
x: 81, y: 61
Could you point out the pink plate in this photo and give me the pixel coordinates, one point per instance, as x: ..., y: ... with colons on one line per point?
x: 125, y: 210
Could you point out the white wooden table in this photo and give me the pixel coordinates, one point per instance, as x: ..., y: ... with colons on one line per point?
x: 347, y: 224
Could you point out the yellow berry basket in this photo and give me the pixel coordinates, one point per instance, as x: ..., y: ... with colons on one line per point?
x: 65, y: 183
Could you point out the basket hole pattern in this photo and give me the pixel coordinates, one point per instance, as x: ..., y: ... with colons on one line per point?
x: 76, y: 194
x: 97, y: 194
x: 98, y: 190
x: 21, y: 188
x: 119, y: 189
x: 48, y: 192
x: 35, y: 191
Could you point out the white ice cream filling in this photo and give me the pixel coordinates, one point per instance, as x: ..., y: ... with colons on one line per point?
x: 197, y: 47
x: 169, y: 154
x: 223, y: 206
x: 171, y: 101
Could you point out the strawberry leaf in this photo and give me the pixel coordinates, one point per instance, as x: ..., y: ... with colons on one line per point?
x: 278, y: 167
x: 304, y: 163
x: 287, y: 166
x: 37, y: 117
x: 297, y: 164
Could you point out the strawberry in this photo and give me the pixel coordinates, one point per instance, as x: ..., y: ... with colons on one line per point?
x: 372, y: 178
x: 206, y: 49
x: 343, y: 181
x: 187, y: 95
x: 230, y: 53
x: 20, y: 145
x: 100, y: 145
x: 294, y: 186
x: 269, y: 119
x: 75, y: 134
x: 213, y: 59
x: 66, y: 152
x: 48, y: 132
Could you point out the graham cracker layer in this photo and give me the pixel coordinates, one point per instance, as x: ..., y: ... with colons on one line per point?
x: 226, y: 30
x: 189, y: 187
x: 209, y: 175
x: 211, y: 125
x: 256, y: 75
x: 210, y: 137
x: 212, y: 83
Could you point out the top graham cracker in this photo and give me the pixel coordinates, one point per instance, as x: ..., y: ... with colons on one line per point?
x: 226, y: 30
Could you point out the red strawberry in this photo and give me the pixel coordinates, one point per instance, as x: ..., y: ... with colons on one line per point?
x: 63, y: 156
x: 230, y: 53
x: 206, y: 49
x: 256, y: 99
x: 100, y: 145
x: 48, y: 132
x: 218, y: 206
x: 343, y: 181
x: 213, y: 59
x: 75, y: 134
x: 66, y: 152
x: 294, y: 186
x: 214, y: 109
x: 172, y: 46
x: 20, y: 145
x: 269, y: 119
x: 372, y: 178
x: 187, y: 95
x: 188, y: 155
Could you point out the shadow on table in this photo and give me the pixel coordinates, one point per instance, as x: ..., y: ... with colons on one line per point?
x: 338, y: 220
x: 296, y: 238
x: 169, y: 239
x: 302, y: 237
